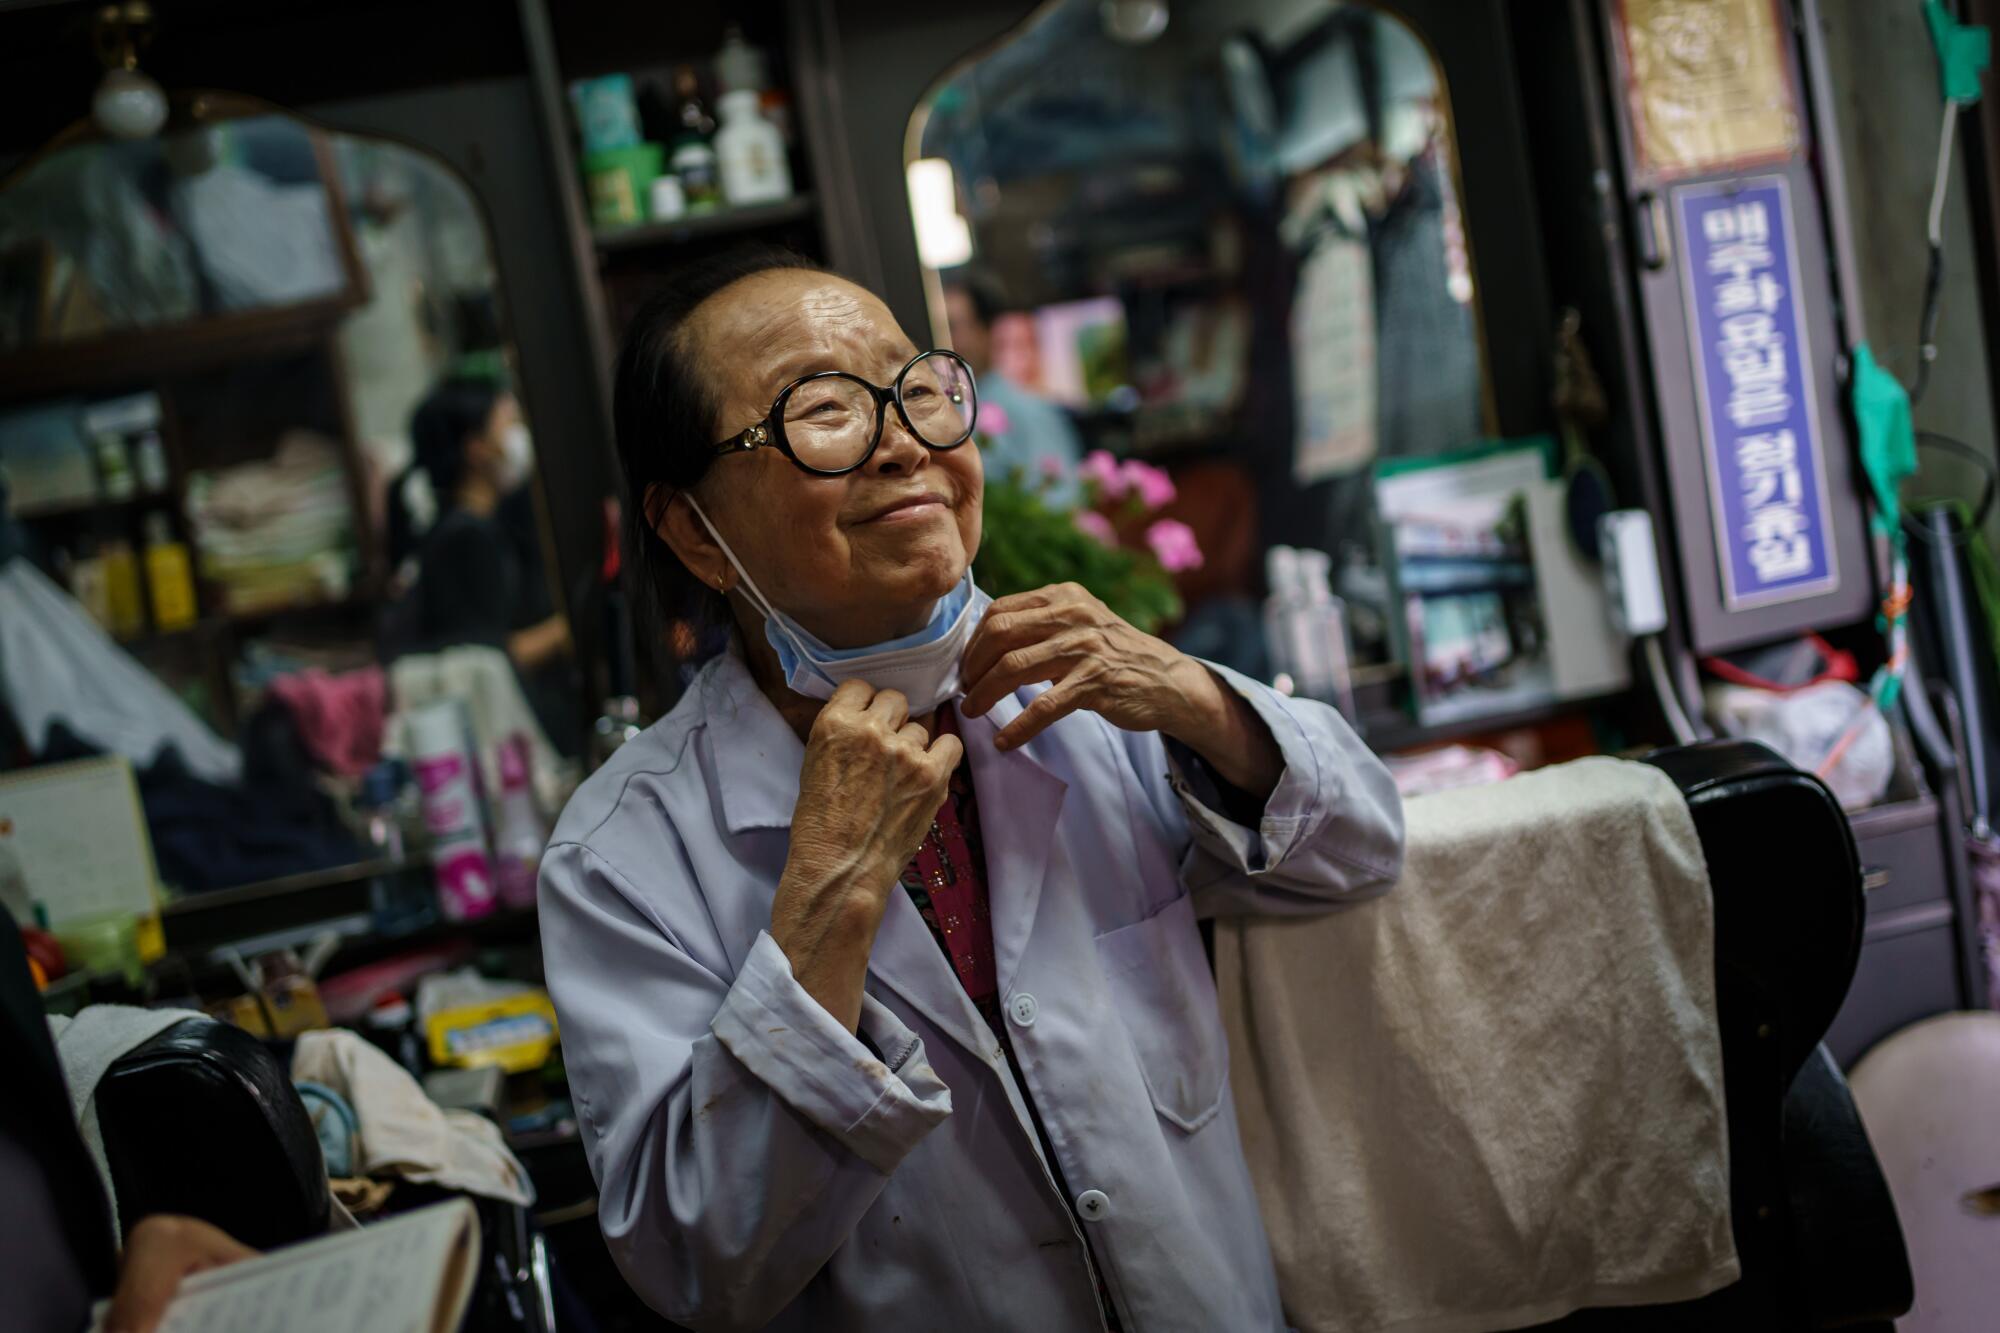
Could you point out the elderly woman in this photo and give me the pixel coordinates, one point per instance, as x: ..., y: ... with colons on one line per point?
x: 882, y: 995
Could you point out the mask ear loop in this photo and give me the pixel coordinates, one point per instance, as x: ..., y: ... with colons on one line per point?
x: 750, y: 588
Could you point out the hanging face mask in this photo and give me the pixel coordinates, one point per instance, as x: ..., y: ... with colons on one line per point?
x: 517, y: 456
x: 923, y: 666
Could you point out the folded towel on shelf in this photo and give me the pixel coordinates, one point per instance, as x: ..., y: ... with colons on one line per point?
x: 278, y: 532
x: 1495, y: 1095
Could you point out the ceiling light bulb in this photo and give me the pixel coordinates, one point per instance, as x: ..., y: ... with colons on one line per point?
x: 129, y: 105
x: 1134, y: 22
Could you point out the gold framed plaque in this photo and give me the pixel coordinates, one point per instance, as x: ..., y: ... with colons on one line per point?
x: 1707, y: 83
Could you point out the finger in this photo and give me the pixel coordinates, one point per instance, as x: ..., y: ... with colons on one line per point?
x: 946, y: 753
x: 851, y: 695
x: 914, y: 734
x: 1021, y: 601
x: 999, y: 635
x: 1058, y: 701
x: 891, y: 708
x: 1048, y: 660
x: 160, y: 1254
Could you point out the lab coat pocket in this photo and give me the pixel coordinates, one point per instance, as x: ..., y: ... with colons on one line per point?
x: 1162, y: 991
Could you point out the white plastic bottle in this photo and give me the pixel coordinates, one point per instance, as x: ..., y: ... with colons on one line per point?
x: 739, y: 64
x: 751, y: 153
x: 518, y: 835
x: 1305, y: 627
x: 447, y: 768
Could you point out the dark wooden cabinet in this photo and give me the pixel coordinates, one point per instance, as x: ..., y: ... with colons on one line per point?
x: 1916, y: 952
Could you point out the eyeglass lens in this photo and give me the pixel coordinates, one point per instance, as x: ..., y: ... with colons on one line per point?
x: 831, y: 421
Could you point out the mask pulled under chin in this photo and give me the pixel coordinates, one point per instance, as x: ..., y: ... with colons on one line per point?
x: 923, y: 666
x: 517, y: 450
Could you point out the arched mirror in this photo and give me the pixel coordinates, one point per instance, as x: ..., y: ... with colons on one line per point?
x: 257, y: 416
x: 1230, y: 247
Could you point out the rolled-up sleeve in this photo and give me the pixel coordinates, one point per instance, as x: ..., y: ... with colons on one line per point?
x: 736, y: 1130
x: 878, y: 1107
x: 1331, y: 831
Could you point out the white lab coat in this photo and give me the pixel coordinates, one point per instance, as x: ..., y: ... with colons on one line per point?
x: 756, y: 1162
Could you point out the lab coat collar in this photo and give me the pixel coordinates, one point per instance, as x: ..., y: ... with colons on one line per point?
x: 757, y: 757
x: 755, y: 751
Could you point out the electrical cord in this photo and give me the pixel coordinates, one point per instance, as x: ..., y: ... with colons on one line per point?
x: 1934, y: 269
x: 1670, y: 698
x: 1930, y: 439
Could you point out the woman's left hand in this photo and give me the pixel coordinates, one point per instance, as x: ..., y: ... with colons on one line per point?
x: 1096, y: 661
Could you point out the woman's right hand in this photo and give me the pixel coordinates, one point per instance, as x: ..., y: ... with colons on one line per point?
x: 871, y: 783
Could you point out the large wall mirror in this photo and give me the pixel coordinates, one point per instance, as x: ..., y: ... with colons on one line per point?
x: 1224, y: 238
x: 257, y: 422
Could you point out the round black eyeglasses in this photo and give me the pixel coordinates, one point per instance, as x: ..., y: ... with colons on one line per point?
x: 830, y: 423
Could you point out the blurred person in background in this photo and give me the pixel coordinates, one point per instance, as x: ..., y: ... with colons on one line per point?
x: 466, y: 540
x: 1028, y: 434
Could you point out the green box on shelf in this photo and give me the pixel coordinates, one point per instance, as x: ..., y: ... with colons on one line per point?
x: 618, y: 180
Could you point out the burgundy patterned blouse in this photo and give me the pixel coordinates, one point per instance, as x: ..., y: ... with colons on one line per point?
x: 947, y: 881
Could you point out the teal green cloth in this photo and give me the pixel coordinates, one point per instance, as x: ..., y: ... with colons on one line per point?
x: 1963, y: 52
x: 1888, y: 441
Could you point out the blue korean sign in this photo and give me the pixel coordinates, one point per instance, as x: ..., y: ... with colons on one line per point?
x: 1754, y: 378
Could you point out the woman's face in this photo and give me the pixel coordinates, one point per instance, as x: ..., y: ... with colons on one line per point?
x: 859, y: 558
x: 487, y: 452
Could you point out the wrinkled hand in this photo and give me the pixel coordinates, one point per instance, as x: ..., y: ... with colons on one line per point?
x: 870, y: 785
x: 161, y: 1251
x: 1096, y: 661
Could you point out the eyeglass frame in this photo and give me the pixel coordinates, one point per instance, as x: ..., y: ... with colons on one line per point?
x: 770, y: 432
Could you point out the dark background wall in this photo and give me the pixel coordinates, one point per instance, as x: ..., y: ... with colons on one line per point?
x: 1886, y: 97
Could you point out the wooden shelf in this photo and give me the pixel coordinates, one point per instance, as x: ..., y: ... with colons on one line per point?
x: 1389, y: 732
x: 141, y: 356
x: 95, y: 505
x: 702, y: 226
x: 161, y: 638
x: 361, y: 595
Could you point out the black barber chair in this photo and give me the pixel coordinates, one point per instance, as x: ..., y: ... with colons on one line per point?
x: 203, y: 1120
x: 1815, y: 1227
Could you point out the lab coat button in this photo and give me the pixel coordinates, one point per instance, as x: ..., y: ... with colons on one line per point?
x: 1092, y: 1205
x: 1022, y: 1009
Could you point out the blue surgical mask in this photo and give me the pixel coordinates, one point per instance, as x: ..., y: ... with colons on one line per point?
x: 922, y: 666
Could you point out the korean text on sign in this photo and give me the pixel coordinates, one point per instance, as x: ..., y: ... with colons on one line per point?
x: 1759, y: 425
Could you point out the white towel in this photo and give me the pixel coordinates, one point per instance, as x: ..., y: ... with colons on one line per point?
x: 402, y: 1131
x: 1495, y: 1095
x: 88, y: 1046
x: 58, y: 665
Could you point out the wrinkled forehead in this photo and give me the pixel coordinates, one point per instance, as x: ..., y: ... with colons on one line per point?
x: 762, y: 333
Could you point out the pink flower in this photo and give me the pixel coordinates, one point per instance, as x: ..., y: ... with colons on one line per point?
x: 1155, y: 488
x: 992, y: 419
x: 1102, y: 468
x: 1095, y: 525
x: 1174, y: 545
x: 1051, y: 468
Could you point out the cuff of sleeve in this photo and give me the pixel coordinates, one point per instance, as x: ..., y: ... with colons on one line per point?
x: 877, y: 1108
x: 1287, y: 815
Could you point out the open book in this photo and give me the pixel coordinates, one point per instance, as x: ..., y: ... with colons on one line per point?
x: 410, y: 1274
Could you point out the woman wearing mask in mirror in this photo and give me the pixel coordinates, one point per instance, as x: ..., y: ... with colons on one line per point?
x: 463, y: 535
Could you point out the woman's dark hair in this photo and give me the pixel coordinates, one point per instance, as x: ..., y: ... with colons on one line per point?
x: 663, y: 410
x: 450, y: 414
